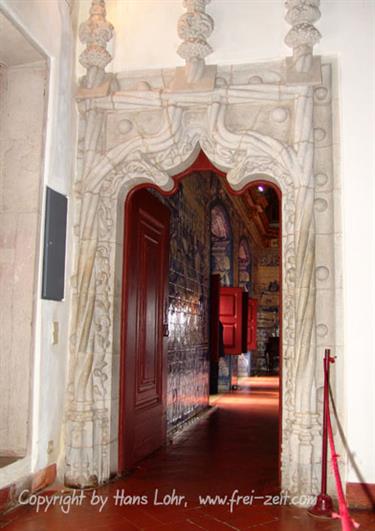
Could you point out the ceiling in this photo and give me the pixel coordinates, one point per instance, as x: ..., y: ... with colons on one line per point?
x: 264, y: 208
x: 259, y: 207
x: 15, y: 49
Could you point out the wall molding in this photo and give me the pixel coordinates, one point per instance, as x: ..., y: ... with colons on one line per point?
x: 361, y: 495
x: 34, y: 482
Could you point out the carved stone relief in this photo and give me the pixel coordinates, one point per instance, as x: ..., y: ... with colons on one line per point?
x: 194, y: 27
x: 303, y: 35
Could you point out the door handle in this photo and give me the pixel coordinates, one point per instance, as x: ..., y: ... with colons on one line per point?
x: 165, y: 330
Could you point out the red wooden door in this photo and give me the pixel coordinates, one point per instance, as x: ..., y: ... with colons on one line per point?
x: 252, y: 324
x: 143, y: 371
x: 214, y: 317
x: 245, y: 320
x: 231, y: 318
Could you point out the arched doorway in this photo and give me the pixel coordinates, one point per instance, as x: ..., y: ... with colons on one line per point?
x: 190, y: 302
x: 173, y: 127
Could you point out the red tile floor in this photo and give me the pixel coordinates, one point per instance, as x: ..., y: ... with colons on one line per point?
x: 230, y: 449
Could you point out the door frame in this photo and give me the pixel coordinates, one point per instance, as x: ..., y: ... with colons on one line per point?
x: 201, y: 163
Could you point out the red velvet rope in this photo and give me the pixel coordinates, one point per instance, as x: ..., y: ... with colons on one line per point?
x: 347, y: 523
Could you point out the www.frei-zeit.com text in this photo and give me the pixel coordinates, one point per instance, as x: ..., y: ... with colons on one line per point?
x: 66, y: 501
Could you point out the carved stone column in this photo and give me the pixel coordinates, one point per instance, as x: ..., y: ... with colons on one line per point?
x: 95, y: 32
x: 303, y: 35
x: 87, y: 425
x: 194, y: 27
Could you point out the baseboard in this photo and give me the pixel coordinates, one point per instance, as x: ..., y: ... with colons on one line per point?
x: 176, y: 431
x: 10, y: 495
x: 361, y: 495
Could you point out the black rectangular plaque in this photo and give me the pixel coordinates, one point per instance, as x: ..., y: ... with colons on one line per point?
x: 54, y: 246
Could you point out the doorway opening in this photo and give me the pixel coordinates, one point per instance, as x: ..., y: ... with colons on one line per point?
x: 218, y: 240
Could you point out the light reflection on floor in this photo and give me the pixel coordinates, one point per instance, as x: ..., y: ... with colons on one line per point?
x: 256, y: 391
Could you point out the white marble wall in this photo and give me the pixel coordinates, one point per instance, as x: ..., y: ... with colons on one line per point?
x: 22, y: 95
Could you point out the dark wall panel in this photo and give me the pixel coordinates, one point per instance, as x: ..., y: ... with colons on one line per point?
x: 54, y: 246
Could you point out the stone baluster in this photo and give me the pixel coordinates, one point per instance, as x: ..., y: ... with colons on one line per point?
x: 194, y: 27
x: 95, y: 33
x: 303, y: 35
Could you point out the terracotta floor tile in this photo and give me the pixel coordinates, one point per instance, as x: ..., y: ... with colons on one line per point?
x: 230, y: 451
x: 111, y: 525
x: 246, y: 517
x: 211, y: 523
x: 168, y: 516
x: 181, y: 526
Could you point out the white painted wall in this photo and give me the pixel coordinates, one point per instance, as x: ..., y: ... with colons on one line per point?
x: 48, y: 25
x: 23, y: 99
x: 354, y: 44
x: 252, y: 31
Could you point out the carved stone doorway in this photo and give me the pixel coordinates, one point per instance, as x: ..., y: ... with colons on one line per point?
x: 251, y: 125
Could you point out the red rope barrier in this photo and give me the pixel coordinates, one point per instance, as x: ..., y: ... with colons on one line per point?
x: 323, y: 507
x: 347, y: 523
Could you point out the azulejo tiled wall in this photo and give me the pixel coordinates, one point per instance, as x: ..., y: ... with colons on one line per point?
x: 190, y: 266
x: 188, y: 365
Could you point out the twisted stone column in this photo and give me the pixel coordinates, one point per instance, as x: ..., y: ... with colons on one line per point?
x: 194, y: 27
x: 95, y: 32
x: 303, y: 35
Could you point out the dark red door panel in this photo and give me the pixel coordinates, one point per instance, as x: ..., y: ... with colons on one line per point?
x: 143, y: 368
x: 252, y: 324
x: 245, y: 299
x: 231, y: 317
x: 214, y: 316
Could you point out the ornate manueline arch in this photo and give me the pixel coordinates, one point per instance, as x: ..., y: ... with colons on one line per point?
x: 252, y: 123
